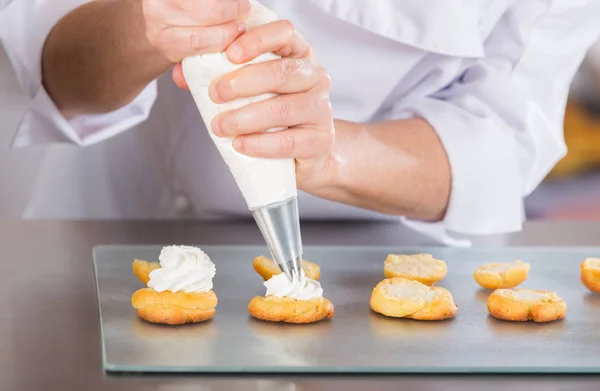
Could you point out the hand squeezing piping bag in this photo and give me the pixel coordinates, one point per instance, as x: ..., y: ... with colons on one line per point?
x: 268, y: 185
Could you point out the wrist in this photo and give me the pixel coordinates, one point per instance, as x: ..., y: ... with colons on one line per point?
x: 331, y: 179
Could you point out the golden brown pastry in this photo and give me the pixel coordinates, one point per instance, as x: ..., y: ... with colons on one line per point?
x: 174, y: 308
x: 404, y: 298
x: 419, y: 267
x: 274, y: 309
x: 521, y: 305
x: 590, y: 274
x: 179, y: 287
x: 142, y: 269
x: 267, y: 268
x: 501, y: 275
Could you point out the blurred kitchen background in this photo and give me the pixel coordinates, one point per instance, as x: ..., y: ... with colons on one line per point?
x: 570, y: 192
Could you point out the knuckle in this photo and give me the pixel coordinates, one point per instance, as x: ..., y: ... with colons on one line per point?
x: 281, y: 71
x: 287, y: 144
x: 308, y: 53
x: 224, y: 37
x: 287, y: 26
x: 282, y: 110
x: 323, y: 140
x: 328, y: 144
x: 326, y: 105
x: 196, y: 40
x: 320, y: 99
x: 324, y: 78
x: 312, y: 146
x: 330, y: 136
x: 252, y: 42
x: 312, y: 143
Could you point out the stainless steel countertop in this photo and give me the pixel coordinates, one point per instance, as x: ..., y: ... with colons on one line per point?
x: 50, y: 332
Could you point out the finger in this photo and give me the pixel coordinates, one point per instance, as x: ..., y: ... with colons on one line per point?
x: 179, y: 78
x: 279, y: 37
x: 285, y: 76
x: 278, y: 112
x: 193, y: 13
x: 187, y: 41
x: 299, y: 143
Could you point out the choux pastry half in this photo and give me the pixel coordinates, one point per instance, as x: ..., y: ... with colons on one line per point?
x: 267, y: 268
x: 590, y: 274
x: 423, y: 268
x: 521, y: 305
x: 501, y: 275
x: 142, y: 269
x: 403, y: 298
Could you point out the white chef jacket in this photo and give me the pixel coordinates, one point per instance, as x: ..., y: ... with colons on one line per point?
x: 491, y: 76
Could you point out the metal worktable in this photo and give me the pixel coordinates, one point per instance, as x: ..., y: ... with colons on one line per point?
x: 50, y: 333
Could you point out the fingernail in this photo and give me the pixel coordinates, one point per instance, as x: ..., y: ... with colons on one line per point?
x: 241, y: 27
x: 235, y: 51
x: 216, y: 127
x: 238, y: 144
x: 213, y: 92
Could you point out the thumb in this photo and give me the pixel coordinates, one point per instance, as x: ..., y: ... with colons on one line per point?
x: 179, y: 78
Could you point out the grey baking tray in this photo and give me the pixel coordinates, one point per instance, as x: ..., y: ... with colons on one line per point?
x: 356, y: 339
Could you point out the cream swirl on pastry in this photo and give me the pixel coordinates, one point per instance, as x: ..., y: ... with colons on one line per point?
x: 302, y: 289
x: 183, y: 268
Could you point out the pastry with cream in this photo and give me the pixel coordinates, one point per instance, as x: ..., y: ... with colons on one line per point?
x: 297, y: 301
x: 501, y: 275
x: 179, y: 287
x: 521, y: 305
x: 419, y: 267
x: 267, y: 268
x: 590, y: 274
x: 404, y: 298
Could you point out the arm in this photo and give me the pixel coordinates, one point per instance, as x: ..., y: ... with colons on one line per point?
x: 365, y: 161
x: 500, y: 126
x: 109, y: 63
x: 96, y: 58
x: 121, y: 46
x: 497, y: 129
x: 396, y: 167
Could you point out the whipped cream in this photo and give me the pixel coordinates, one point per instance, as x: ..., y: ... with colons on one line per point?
x: 302, y: 289
x: 183, y: 268
x: 261, y: 181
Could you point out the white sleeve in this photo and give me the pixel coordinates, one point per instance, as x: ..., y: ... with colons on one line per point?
x: 501, y: 122
x: 24, y: 26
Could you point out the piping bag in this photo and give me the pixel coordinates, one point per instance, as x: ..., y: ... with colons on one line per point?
x: 268, y: 185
